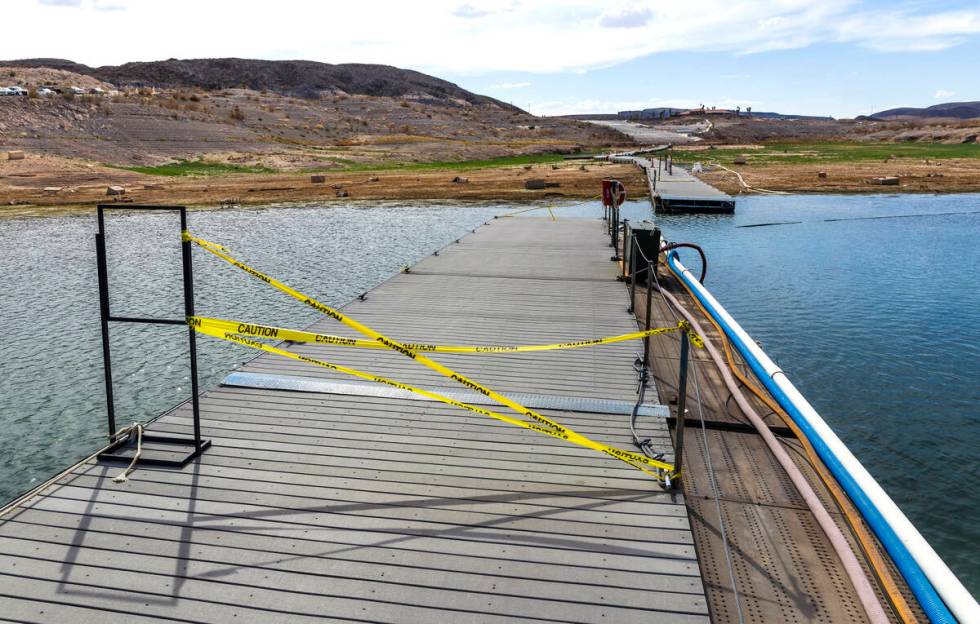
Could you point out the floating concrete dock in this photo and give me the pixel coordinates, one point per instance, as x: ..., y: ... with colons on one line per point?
x: 327, y: 500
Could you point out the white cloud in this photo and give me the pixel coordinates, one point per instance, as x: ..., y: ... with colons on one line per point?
x: 483, y: 8
x: 942, y: 94
x: 902, y: 31
x: 510, y: 85
x: 98, y: 5
x: 500, y: 35
x: 470, y: 11
x: 629, y: 17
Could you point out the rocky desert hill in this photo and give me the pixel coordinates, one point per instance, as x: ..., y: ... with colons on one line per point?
x: 746, y: 130
x: 949, y: 110
x: 276, y: 114
x: 297, y: 78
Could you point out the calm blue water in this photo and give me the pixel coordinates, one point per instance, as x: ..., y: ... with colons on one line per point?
x: 874, y: 320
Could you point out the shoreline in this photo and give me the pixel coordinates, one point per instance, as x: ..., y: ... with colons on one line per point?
x: 573, y: 180
x: 576, y: 180
x: 914, y: 176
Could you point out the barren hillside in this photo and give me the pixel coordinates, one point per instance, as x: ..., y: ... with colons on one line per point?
x: 298, y: 78
x: 149, y: 126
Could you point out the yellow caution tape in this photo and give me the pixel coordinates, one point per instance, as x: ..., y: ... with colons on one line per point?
x: 553, y: 428
x: 294, y: 335
x: 561, y: 433
x: 549, y: 208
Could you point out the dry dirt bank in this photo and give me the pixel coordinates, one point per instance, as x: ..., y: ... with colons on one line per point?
x: 915, y: 176
x: 23, y: 183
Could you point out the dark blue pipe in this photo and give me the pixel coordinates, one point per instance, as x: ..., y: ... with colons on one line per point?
x: 925, y: 593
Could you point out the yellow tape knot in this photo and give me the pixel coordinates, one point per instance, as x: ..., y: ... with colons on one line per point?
x: 696, y: 340
x: 186, y: 236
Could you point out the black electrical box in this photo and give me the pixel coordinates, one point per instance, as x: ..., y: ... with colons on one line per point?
x: 645, y: 236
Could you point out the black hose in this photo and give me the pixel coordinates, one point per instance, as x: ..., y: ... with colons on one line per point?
x: 704, y: 259
x: 645, y: 445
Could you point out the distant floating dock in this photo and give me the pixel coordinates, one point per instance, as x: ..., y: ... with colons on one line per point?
x: 674, y: 190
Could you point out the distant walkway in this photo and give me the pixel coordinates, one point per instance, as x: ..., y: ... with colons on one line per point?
x: 651, y: 135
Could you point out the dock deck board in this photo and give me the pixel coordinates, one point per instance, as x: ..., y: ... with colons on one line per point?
x: 317, y: 507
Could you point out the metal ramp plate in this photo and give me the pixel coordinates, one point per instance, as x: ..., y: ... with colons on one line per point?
x: 358, y: 388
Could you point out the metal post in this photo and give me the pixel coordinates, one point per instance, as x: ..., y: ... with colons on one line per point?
x: 632, y: 275
x: 188, y: 278
x: 186, y: 256
x: 646, y: 339
x: 103, y: 273
x: 681, y: 401
x: 612, y: 225
x: 615, y: 231
x: 627, y: 234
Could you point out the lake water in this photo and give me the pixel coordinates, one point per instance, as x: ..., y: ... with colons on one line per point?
x: 875, y: 320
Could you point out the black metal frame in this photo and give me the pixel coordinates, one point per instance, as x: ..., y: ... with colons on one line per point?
x: 631, y: 280
x: 630, y: 275
x: 113, y: 452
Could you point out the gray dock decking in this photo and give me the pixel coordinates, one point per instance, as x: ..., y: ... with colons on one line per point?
x: 337, y: 507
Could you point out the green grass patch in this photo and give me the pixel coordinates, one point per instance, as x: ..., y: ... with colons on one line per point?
x: 210, y: 168
x: 816, y: 153
x: 198, y: 168
x: 456, y: 165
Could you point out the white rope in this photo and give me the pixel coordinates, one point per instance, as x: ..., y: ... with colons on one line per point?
x: 745, y: 184
x: 124, y: 475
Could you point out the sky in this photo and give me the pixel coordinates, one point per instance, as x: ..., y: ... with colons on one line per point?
x: 825, y: 57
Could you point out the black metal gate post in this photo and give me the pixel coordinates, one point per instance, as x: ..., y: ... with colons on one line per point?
x: 116, y: 452
x: 646, y: 339
x: 631, y: 264
x: 681, y: 405
x: 188, y: 270
x: 104, y: 319
x: 615, y: 231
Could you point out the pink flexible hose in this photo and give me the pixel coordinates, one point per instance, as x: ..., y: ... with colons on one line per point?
x: 865, y: 592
